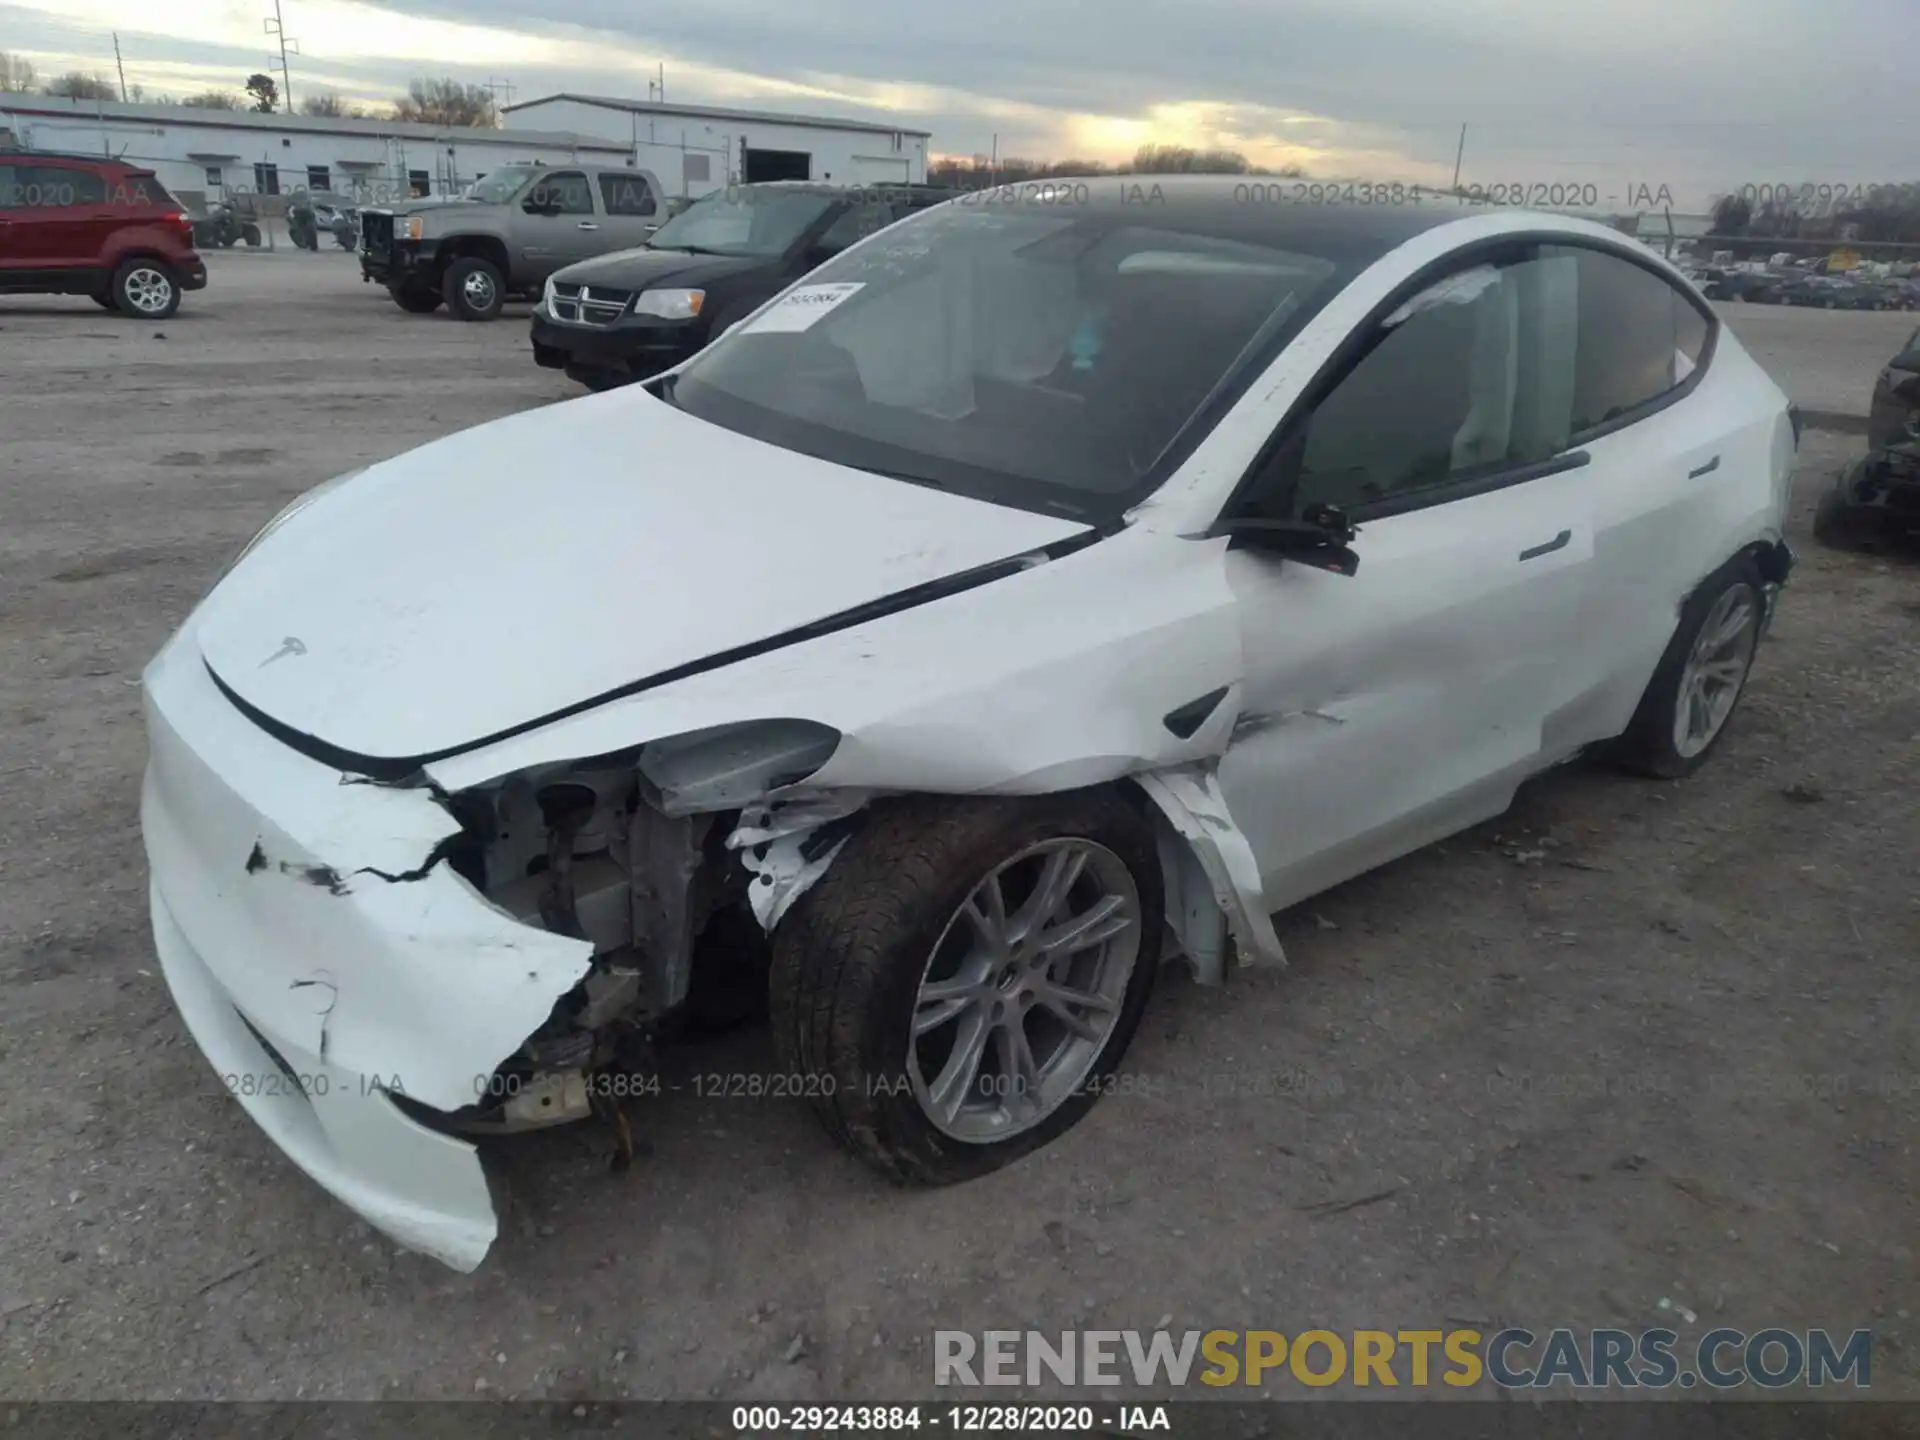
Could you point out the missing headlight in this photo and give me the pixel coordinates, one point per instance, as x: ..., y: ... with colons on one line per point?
x: 729, y: 766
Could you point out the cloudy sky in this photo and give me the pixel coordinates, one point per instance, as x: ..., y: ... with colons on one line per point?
x: 1697, y: 95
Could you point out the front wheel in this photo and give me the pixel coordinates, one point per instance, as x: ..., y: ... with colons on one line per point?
x: 956, y: 990
x: 1701, y: 677
x: 145, y: 289
x: 474, y: 289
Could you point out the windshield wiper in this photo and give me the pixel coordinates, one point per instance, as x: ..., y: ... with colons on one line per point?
x: 690, y: 249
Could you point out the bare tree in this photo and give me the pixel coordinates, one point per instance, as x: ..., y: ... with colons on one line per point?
x: 213, y: 100
x: 447, y: 102
x: 1185, y: 160
x: 16, y: 75
x: 75, y: 85
x: 331, y: 106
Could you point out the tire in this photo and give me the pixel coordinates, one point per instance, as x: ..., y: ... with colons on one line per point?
x: 850, y: 959
x: 1840, y: 522
x: 1650, y: 744
x: 600, y: 381
x: 145, y: 289
x: 251, y: 234
x: 474, y: 288
x: 414, y: 299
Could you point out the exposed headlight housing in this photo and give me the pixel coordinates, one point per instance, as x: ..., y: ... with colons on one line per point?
x: 670, y: 304
x: 729, y: 766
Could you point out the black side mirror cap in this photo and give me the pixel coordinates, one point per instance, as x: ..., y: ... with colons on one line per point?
x: 1323, y: 538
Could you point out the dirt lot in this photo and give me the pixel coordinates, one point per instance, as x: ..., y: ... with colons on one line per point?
x: 1639, y: 1053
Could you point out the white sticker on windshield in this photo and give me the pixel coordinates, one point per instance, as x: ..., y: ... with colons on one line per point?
x: 801, y: 309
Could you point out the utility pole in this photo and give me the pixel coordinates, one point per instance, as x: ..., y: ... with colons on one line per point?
x: 657, y: 89
x: 120, y: 65
x: 1458, y: 155
x: 277, y: 28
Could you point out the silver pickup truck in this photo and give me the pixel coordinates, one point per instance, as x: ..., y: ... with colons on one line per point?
x: 512, y: 229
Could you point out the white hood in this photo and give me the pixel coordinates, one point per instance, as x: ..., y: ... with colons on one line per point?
x: 529, y: 565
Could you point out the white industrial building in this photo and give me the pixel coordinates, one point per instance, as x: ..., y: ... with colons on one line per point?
x: 694, y: 148
x: 202, y: 155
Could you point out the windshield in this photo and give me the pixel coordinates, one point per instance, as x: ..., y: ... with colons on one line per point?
x: 497, y: 187
x: 1045, y: 360
x: 744, y: 222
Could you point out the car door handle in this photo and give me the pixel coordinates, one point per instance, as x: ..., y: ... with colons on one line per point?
x: 1706, y: 469
x: 1558, y: 542
x: 588, y: 225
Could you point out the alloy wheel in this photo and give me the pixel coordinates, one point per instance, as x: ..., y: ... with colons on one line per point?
x: 1023, y: 989
x: 1716, y: 669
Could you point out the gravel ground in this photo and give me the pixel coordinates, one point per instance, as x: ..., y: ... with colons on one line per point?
x: 1636, y: 1052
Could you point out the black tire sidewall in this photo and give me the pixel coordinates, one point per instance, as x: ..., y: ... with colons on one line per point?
x: 883, y: 966
x: 1648, y: 744
x: 451, y: 289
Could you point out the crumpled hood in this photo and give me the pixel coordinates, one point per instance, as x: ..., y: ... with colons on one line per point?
x: 642, y: 269
x: 531, y: 565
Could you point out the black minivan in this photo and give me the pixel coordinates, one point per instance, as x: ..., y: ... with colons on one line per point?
x: 626, y: 316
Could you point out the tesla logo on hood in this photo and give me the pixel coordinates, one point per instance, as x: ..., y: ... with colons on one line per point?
x: 290, y: 646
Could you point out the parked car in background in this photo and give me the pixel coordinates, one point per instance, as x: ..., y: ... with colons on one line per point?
x: 1878, y: 495
x: 1033, y: 591
x: 84, y: 225
x: 1732, y: 283
x: 501, y: 240
x: 225, y: 225
x: 633, y: 313
x: 1834, y: 292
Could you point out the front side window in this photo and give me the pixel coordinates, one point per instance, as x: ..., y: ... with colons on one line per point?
x: 626, y: 194
x: 566, y: 193
x: 1042, y: 359
x: 1473, y: 376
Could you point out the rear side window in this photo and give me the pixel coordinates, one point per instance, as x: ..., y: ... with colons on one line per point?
x: 49, y: 187
x: 626, y: 195
x: 1639, y: 338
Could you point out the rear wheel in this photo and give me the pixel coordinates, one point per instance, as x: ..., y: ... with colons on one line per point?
x: 959, y: 984
x: 414, y: 299
x: 251, y: 234
x: 474, y: 288
x: 146, y: 289
x: 1700, y: 678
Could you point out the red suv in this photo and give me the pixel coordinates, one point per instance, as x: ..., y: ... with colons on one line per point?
x: 78, y: 225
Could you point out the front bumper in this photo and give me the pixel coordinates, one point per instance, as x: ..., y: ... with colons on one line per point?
x: 316, y: 986
x: 635, y: 345
x: 397, y: 263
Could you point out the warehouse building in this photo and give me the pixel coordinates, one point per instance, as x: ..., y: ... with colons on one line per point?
x: 202, y: 155
x: 704, y: 146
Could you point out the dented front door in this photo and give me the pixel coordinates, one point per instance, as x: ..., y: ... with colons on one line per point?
x: 1391, y: 707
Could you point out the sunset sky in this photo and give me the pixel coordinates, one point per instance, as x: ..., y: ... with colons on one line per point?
x: 1701, y: 96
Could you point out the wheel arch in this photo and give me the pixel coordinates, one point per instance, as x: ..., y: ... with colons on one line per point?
x: 490, y: 248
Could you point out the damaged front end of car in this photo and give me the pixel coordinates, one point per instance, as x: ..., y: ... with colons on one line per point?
x: 673, y: 861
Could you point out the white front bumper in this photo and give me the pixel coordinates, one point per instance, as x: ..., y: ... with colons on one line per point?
x: 272, y: 909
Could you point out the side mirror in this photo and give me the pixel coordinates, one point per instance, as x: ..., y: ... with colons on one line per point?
x: 1322, y: 538
x: 1908, y: 360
